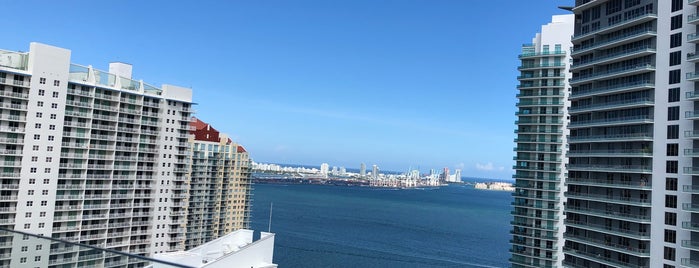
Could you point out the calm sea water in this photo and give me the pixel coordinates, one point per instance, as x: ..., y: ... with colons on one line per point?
x: 339, y: 226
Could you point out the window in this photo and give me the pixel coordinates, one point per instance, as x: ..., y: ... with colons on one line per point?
x: 674, y: 76
x: 27, y: 226
x: 41, y: 92
x: 53, y: 116
x: 35, y: 147
x: 38, y: 247
x: 42, y: 214
x: 670, y: 236
x: 32, y: 170
x: 23, y: 260
x: 44, y: 202
x: 671, y: 167
x: 675, y: 58
x: 38, y: 114
x: 49, y: 159
x: 670, y: 201
x: 55, y: 94
x: 37, y: 258
x: 676, y: 22
x: 669, y: 253
x: 51, y: 136
x: 56, y: 83
x: 37, y: 136
x: 673, y: 95
x: 671, y: 218
x: 53, y: 127
x: 54, y: 105
x: 30, y: 192
x: 49, y: 148
x: 35, y: 158
x: 37, y: 125
x: 675, y: 40
x: 672, y: 149
x: 41, y: 225
x: 47, y: 170
x: 32, y: 181
x: 40, y: 103
x: 30, y: 203
x: 28, y: 215
x: 42, y: 80
x: 673, y: 113
x: 46, y: 181
x: 673, y: 132
x: 676, y: 6
x: 44, y: 192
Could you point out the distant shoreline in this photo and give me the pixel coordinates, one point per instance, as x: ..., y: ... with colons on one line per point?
x: 328, y: 181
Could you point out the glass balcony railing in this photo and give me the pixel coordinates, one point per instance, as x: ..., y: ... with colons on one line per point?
x: 639, y: 119
x: 612, y: 262
x: 624, y: 37
x: 617, y: 199
x: 635, y: 217
x: 612, y: 137
x: 636, y: 184
x: 688, y: 262
x: 615, y: 56
x: 630, y: 20
x: 612, y: 104
x: 60, y: 250
x: 610, y: 245
x: 610, y: 153
x: 612, y: 88
x: 14, y: 60
x: 631, y: 233
x: 611, y: 73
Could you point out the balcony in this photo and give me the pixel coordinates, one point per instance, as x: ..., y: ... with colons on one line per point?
x: 643, y: 202
x: 693, y: 38
x: 691, y: 170
x: 624, y: 104
x: 627, y: 120
x: 692, y: 245
x: 611, y: 153
x: 541, y: 66
x: 622, y: 39
x: 617, y: 56
x: 596, y: 257
x: 639, y: 235
x: 623, y: 71
x: 612, y: 138
x: 635, y: 185
x: 629, y: 21
x: 610, y: 245
x: 609, y: 213
x: 541, y: 54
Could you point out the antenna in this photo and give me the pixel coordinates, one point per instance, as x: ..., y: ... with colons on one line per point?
x: 269, y: 226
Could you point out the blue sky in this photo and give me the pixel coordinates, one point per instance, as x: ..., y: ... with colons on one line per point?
x: 400, y: 83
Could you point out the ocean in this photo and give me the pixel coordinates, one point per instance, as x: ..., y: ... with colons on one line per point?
x: 345, y: 226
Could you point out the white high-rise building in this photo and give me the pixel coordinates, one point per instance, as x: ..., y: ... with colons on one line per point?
x: 362, y: 170
x: 375, y: 172
x: 90, y: 156
x: 537, y: 234
x: 633, y: 199
x: 324, y: 169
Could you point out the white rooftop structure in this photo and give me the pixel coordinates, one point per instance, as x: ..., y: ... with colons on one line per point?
x: 233, y: 250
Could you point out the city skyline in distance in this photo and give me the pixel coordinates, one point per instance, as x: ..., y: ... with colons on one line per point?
x: 399, y: 83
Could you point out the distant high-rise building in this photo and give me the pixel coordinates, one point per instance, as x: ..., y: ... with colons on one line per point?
x: 457, y: 175
x: 445, y: 174
x: 362, y: 170
x: 324, y: 169
x: 537, y: 234
x: 343, y: 171
x: 375, y: 172
x: 219, y: 187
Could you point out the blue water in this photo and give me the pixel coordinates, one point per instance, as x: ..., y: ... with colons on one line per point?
x: 339, y: 226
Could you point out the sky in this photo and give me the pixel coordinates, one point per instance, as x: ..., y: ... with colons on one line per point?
x: 397, y: 83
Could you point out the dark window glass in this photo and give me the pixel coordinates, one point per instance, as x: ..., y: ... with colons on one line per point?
x: 674, y: 76
x: 677, y: 5
x: 675, y: 58
x: 673, y: 113
x: 673, y: 132
x: 672, y: 149
x: 673, y: 95
x: 675, y: 40
x: 676, y: 22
